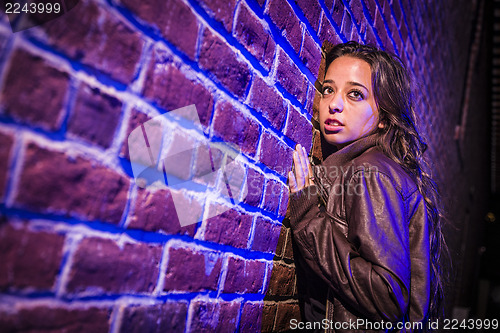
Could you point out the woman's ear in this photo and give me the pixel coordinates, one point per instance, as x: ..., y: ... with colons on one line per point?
x: 381, y: 124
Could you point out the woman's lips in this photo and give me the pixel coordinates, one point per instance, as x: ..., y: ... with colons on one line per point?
x: 333, y: 125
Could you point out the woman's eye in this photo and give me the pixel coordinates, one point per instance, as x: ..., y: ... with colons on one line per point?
x: 327, y: 91
x: 356, y: 95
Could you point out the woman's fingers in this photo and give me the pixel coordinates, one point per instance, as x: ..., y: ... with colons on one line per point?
x: 292, y: 182
x: 309, y: 168
x: 305, y: 164
x: 299, y: 172
x: 302, y: 172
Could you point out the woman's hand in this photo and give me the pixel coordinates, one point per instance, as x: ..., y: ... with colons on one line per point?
x: 301, y: 175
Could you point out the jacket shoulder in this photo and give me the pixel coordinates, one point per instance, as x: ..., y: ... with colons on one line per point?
x: 375, y: 162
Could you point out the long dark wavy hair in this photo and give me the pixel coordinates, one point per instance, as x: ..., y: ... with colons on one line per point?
x: 400, y: 140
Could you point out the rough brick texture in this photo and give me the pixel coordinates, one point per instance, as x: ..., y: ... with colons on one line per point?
x: 56, y: 319
x: 167, y: 86
x: 95, y: 37
x: 224, y: 64
x: 156, y: 211
x: 244, y: 276
x: 230, y: 227
x: 192, y: 271
x: 286, y: 21
x: 104, y: 265
x: 252, y: 34
x: 29, y: 258
x: 34, y: 92
x: 6, y: 142
x: 290, y: 77
x: 221, y: 10
x: 266, y: 100
x: 95, y: 116
x: 251, y: 317
x: 266, y: 235
x: 54, y: 182
x: 168, y: 317
x: 214, y: 316
x: 275, y: 154
x: 235, y: 127
x: 85, y: 247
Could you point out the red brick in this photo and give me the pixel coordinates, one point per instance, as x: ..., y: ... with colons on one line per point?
x: 272, y: 196
x: 275, y: 154
x: 221, y: 10
x: 327, y: 32
x: 6, y: 143
x: 167, y: 86
x: 214, y: 316
x: 252, y: 34
x: 192, y: 271
x: 287, y: 22
x: 313, y: 96
x: 403, y: 30
x: 34, y: 92
x: 398, y: 13
x: 355, y: 36
x: 102, y: 266
x: 285, y: 313
x: 283, y: 202
x: 358, y: 15
x: 54, y: 182
x: 282, y: 280
x: 29, y: 259
x: 95, y: 116
x: 255, y: 186
x: 178, y: 156
x: 137, y: 118
x: 208, y: 160
x: 310, y: 54
x: 218, y: 58
x: 244, y: 276
x: 266, y: 235
x: 311, y: 10
x: 381, y: 30
x: 230, y: 227
x: 329, y: 5
x: 280, y: 246
x: 347, y: 26
x: 251, y: 317
x: 158, y: 318
x: 155, y: 211
x: 91, y: 35
x: 386, y: 11
x: 371, y: 6
x: 337, y: 12
x: 290, y: 77
x: 56, y: 319
x: 370, y: 38
x: 266, y: 100
x: 269, y: 316
x: 288, y: 248
x: 234, y: 126
x: 298, y: 128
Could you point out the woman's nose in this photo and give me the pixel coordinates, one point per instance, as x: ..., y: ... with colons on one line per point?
x: 336, y: 104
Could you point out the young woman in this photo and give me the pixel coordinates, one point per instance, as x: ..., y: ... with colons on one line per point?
x: 365, y: 221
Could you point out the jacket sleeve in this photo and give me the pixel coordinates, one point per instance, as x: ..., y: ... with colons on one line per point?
x: 370, y: 268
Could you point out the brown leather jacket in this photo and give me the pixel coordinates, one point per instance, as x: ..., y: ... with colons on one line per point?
x: 364, y: 254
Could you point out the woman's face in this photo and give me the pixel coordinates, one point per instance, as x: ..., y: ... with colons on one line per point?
x: 347, y: 109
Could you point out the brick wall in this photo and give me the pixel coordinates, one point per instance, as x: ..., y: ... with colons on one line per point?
x: 84, y: 248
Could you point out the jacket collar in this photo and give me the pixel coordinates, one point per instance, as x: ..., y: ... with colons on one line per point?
x: 351, y: 151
